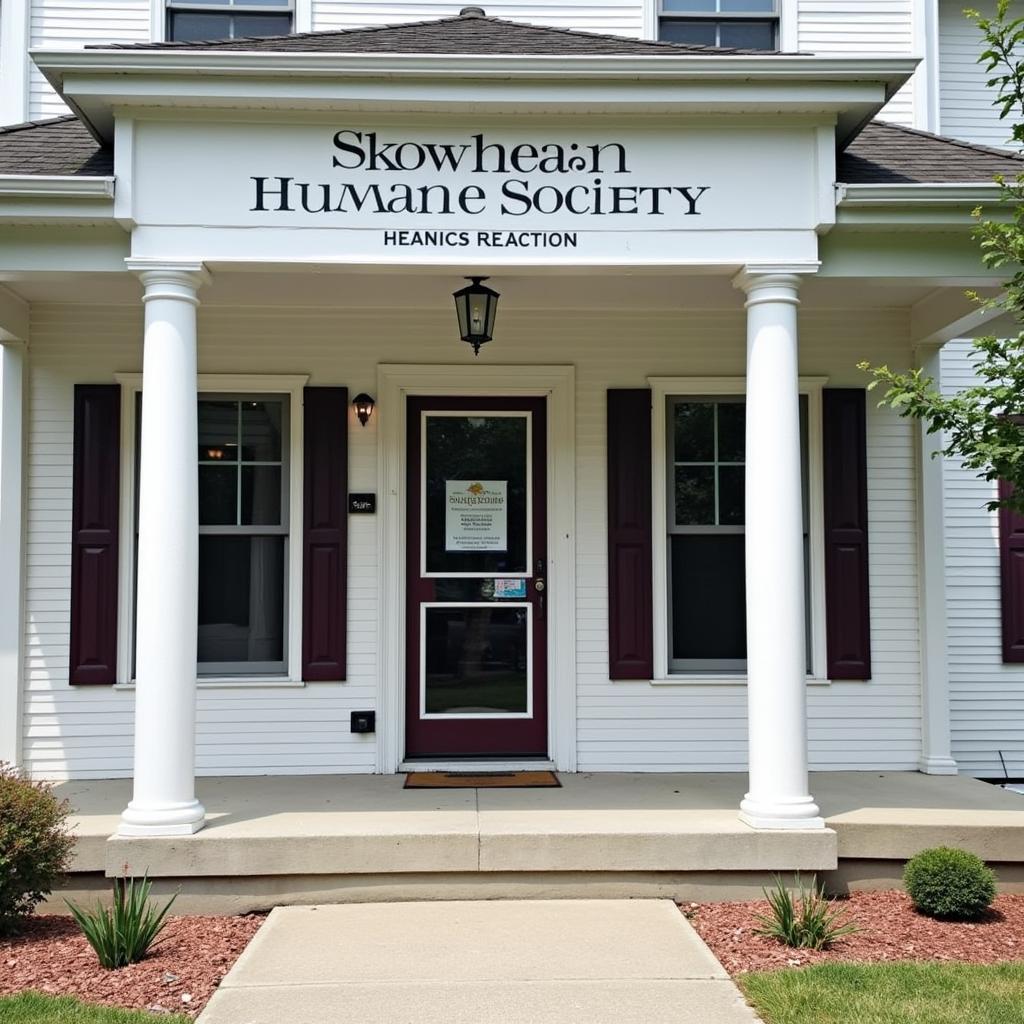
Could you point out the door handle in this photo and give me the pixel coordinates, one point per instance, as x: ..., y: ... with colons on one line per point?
x: 538, y: 585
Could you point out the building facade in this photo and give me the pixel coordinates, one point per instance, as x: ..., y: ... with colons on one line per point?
x: 654, y: 525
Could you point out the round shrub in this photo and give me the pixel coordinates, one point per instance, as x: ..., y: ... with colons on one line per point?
x: 35, y: 844
x: 948, y: 883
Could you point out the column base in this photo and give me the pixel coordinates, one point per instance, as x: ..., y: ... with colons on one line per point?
x: 938, y: 766
x: 789, y: 814
x: 183, y: 819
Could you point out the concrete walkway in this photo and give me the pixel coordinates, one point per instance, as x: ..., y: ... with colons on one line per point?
x: 498, y: 962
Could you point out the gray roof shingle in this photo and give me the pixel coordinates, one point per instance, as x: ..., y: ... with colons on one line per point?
x: 889, y: 154
x: 61, y: 146
x: 470, y: 33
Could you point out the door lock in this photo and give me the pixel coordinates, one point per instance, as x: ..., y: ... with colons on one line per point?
x: 539, y: 585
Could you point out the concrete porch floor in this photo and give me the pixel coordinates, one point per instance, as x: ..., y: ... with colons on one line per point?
x: 301, y: 839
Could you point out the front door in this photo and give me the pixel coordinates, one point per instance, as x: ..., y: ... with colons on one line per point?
x: 476, y: 647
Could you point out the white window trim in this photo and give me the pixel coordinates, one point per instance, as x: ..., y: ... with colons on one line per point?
x: 290, y: 385
x: 789, y: 33
x: 663, y: 388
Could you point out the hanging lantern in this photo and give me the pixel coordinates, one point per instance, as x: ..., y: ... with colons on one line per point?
x: 476, y: 306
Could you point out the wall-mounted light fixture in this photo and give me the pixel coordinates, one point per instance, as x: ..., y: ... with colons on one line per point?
x: 476, y: 306
x: 363, y: 405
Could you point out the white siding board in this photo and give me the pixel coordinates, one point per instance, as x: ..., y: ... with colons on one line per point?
x: 86, y: 732
x: 986, y: 696
x: 965, y: 101
x: 874, y: 27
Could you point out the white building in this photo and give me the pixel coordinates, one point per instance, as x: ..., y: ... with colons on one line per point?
x: 654, y: 526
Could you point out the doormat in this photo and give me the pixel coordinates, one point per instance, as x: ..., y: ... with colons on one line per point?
x: 481, y: 780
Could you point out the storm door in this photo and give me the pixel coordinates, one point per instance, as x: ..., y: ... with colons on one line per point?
x: 476, y: 632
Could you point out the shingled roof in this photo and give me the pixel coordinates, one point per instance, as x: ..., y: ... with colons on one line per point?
x: 61, y: 146
x: 889, y: 154
x: 470, y: 32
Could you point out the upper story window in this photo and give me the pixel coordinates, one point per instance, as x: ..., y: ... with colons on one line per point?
x: 190, y: 20
x: 740, y: 24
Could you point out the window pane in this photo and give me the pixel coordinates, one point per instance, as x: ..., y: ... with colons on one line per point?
x: 688, y: 6
x: 261, y: 431
x: 218, y: 431
x: 748, y: 35
x: 476, y: 660
x: 241, y: 599
x: 467, y: 457
x: 187, y: 26
x: 261, y: 495
x: 224, y: 3
x: 262, y: 25
x: 694, y: 426
x: 695, y: 495
x: 731, y: 492
x: 700, y: 33
x: 746, y: 6
x: 708, y: 597
x: 218, y: 495
x: 732, y: 426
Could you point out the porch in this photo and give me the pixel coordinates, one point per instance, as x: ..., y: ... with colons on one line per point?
x: 328, y: 838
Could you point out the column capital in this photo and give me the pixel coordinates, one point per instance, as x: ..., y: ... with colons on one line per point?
x: 773, y: 282
x: 169, y: 279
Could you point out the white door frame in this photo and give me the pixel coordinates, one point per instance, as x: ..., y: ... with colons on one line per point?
x: 395, y: 383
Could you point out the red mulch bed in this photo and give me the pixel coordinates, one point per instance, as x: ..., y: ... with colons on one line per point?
x: 891, y: 930
x: 184, y: 965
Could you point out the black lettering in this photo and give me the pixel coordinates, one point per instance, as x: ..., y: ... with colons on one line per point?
x: 596, y: 151
x: 443, y: 155
x: 620, y: 194
x: 655, y: 191
x: 556, y: 195
x: 446, y: 198
x: 346, y: 148
x: 400, y: 158
x: 472, y: 194
x: 349, y: 193
x: 520, y: 197
x: 482, y: 148
x: 516, y: 157
x: 691, y: 199
x: 262, y: 192
x: 325, y: 197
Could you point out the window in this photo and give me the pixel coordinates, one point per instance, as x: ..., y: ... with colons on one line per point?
x: 705, y: 518
x: 739, y: 24
x: 189, y: 20
x: 243, y: 533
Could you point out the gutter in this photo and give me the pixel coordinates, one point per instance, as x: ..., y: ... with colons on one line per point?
x: 55, y: 186
x: 967, y: 193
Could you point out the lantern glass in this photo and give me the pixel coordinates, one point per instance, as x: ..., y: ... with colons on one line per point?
x: 476, y: 306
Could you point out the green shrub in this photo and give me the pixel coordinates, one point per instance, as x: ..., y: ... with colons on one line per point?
x: 35, y: 844
x: 948, y: 883
x: 809, y: 922
x: 123, y: 934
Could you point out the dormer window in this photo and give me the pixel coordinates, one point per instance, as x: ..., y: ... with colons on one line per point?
x: 739, y: 24
x: 192, y: 20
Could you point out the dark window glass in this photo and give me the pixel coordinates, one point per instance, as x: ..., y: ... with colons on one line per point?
x: 261, y: 495
x: 708, y: 597
x: 731, y: 493
x: 476, y: 661
x: 694, y: 424
x: 746, y: 6
x: 261, y: 431
x: 218, y: 431
x: 261, y: 25
x: 241, y: 599
x: 732, y: 429
x: 191, y: 26
x: 695, y: 33
x: 695, y: 495
x: 747, y: 35
x: 689, y: 6
x: 218, y: 495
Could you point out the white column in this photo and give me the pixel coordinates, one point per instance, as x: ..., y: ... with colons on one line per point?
x: 14, y: 61
x: 936, y: 743
x: 776, y: 630
x: 12, y: 624
x: 164, y: 801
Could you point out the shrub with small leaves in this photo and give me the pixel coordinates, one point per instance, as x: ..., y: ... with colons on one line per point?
x: 808, y: 922
x: 123, y: 933
x: 945, y: 882
x: 35, y: 844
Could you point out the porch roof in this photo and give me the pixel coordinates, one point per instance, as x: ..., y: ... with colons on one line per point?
x: 882, y: 153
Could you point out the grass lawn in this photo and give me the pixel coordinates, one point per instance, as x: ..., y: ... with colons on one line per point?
x: 903, y: 993
x: 32, y: 1008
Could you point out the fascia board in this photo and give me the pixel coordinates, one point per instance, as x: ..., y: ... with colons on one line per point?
x: 53, y: 186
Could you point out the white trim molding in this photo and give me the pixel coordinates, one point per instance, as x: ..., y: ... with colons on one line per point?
x: 15, y: 36
x: 240, y: 383
x: 395, y: 383
x: 662, y: 388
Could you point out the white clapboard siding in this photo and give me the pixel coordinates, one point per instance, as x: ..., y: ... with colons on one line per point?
x: 86, y: 731
x: 76, y: 23
x: 965, y: 101
x: 876, y: 27
x: 987, y: 697
x: 620, y: 17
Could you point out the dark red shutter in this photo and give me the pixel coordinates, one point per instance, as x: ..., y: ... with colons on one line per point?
x: 630, y: 586
x: 324, y: 534
x: 1011, y: 565
x: 847, y: 603
x: 95, y: 507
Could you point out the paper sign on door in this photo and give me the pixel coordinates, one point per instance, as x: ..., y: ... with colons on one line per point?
x: 476, y: 515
